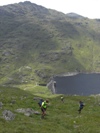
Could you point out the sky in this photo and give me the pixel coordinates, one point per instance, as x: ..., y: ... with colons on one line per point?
x: 86, y: 8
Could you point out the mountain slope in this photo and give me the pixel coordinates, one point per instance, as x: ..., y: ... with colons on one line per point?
x: 37, y: 43
x: 68, y: 120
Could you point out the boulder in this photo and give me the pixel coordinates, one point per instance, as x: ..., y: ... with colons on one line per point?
x: 8, y: 115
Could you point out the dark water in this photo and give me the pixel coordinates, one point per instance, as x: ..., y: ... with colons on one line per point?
x: 80, y: 84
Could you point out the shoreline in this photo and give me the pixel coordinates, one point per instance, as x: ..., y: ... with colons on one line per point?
x: 53, y: 82
x: 74, y: 73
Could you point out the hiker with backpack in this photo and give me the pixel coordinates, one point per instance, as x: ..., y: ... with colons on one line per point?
x: 81, y: 105
x: 44, y: 107
x: 62, y: 99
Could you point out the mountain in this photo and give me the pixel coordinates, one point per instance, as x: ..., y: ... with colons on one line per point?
x: 37, y: 43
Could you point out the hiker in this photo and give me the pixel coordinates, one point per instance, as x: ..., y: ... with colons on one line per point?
x: 44, y: 107
x: 40, y: 102
x: 81, y: 105
x: 62, y: 98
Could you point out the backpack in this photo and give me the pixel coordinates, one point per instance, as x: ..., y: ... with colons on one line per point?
x: 40, y: 102
x: 81, y: 105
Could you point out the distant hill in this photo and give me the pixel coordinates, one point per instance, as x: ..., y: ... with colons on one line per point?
x: 74, y: 15
x: 37, y: 43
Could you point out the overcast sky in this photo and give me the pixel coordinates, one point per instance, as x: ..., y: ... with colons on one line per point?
x: 86, y: 8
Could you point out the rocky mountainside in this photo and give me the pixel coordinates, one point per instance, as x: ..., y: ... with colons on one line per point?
x: 37, y: 43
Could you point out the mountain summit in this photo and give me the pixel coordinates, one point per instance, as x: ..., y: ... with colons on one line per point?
x: 74, y: 15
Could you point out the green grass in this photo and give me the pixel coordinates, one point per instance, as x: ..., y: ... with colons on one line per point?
x: 60, y: 118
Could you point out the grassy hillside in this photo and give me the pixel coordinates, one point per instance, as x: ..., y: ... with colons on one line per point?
x: 37, y: 43
x: 60, y: 118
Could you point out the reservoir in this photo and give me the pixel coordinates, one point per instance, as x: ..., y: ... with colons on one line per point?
x: 79, y: 84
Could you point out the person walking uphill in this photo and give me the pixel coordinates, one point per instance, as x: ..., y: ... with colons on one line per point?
x: 62, y: 99
x: 81, y: 105
x: 44, y: 108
